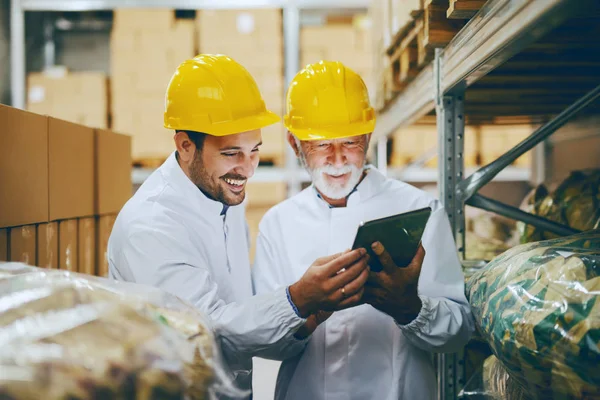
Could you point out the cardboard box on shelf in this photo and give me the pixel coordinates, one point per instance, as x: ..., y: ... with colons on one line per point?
x: 47, y: 245
x: 86, y: 247
x: 71, y: 170
x: 149, y: 19
x: 23, y: 143
x: 265, y: 194
x: 112, y: 171
x: 4, y: 234
x: 67, y: 245
x: 247, y: 26
x: 104, y: 226
x: 274, y: 142
x: 23, y: 244
x: 78, y: 97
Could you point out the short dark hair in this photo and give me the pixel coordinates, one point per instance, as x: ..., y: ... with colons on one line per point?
x: 197, y: 138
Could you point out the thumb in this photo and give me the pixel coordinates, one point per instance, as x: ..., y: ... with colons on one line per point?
x: 417, y: 262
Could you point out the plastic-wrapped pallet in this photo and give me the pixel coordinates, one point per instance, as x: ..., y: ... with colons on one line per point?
x: 575, y: 202
x: 538, y: 305
x: 65, y: 335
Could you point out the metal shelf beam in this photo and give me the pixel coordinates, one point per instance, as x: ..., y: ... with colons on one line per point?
x: 93, y: 5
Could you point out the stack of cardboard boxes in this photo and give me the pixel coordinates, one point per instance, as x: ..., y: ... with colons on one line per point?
x: 254, y: 38
x: 63, y: 183
x: 79, y: 97
x: 482, y: 144
x: 146, y: 47
x: 349, y: 43
x: 260, y: 197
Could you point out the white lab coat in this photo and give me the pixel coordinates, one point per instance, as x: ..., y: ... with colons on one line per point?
x: 361, y: 353
x: 170, y: 235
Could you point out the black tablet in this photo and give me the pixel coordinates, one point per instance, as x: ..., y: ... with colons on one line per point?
x: 400, y: 234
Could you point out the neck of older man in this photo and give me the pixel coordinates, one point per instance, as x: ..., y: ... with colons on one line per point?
x: 344, y: 200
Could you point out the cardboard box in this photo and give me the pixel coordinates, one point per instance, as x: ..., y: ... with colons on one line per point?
x: 71, y: 170
x: 87, y: 246
x: 78, y: 97
x: 113, y: 171
x: 274, y: 141
x: 265, y: 194
x: 104, y: 228
x: 149, y: 19
x: 67, y: 245
x: 23, y: 244
x: 47, y: 245
x: 4, y: 246
x: 23, y: 167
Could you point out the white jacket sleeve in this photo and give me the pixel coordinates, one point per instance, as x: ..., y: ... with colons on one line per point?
x: 445, y: 322
x: 268, y: 276
x: 167, y: 260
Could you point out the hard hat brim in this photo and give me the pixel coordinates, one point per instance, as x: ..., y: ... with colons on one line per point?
x: 240, y: 125
x: 363, y: 128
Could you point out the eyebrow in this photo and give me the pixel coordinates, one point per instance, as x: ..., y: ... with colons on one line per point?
x: 229, y: 148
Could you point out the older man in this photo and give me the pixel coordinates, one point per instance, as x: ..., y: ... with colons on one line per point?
x: 379, y: 350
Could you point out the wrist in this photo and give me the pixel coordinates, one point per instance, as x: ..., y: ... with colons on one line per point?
x: 298, y: 300
x: 410, y: 312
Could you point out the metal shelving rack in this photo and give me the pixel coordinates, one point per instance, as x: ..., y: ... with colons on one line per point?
x: 292, y: 10
x: 501, y: 30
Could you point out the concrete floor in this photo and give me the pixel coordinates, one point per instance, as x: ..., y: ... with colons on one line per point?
x: 264, y: 378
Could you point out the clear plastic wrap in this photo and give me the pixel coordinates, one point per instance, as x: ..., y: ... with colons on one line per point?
x: 575, y: 202
x: 71, y: 336
x: 492, y: 382
x: 538, y: 306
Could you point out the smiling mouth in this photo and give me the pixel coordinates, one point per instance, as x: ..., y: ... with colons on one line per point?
x: 337, y: 176
x: 236, y: 185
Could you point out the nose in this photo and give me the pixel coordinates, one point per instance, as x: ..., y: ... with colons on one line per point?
x: 246, y: 166
x: 338, y: 158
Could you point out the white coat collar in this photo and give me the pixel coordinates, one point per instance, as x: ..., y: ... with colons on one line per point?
x: 367, y: 188
x: 173, y: 173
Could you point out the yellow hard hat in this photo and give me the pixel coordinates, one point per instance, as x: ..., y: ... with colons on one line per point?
x: 327, y: 100
x: 214, y: 94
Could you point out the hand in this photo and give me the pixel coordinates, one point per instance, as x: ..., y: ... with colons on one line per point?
x: 331, y: 283
x: 311, y: 324
x: 393, y: 291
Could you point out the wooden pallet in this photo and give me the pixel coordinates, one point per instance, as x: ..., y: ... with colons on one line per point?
x: 272, y: 160
x: 413, y: 46
x: 463, y: 9
x: 150, y: 162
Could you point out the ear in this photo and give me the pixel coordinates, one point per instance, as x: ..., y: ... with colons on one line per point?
x: 292, y: 141
x: 185, y: 147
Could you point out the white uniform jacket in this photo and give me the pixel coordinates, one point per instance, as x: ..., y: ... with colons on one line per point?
x: 361, y: 353
x: 171, y: 236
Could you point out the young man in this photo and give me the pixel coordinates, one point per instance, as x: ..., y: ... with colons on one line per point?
x: 184, y: 230
x: 379, y: 350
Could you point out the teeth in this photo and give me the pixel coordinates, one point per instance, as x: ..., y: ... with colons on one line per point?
x: 235, y: 182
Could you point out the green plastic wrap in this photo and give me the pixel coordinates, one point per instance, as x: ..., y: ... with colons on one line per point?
x: 575, y: 203
x: 538, y: 306
x: 71, y: 336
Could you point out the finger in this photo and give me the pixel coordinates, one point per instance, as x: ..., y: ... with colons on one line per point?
x: 326, y: 259
x: 333, y: 266
x: 350, y: 274
x: 417, y: 261
x: 375, y: 278
x: 384, y: 257
x: 358, y: 283
x: 351, y: 301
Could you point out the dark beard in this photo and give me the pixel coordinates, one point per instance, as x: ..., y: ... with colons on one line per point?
x: 210, y: 188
